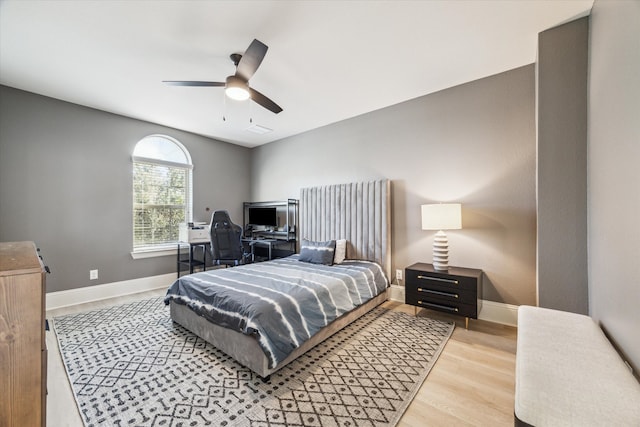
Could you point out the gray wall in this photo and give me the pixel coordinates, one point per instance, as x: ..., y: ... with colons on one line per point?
x: 65, y: 183
x: 562, y: 167
x: 473, y: 144
x: 614, y: 175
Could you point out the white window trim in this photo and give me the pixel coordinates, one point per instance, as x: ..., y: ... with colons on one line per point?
x: 155, y: 252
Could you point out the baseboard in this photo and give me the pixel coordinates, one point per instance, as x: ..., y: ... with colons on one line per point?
x: 499, y: 312
x: 496, y: 312
x: 396, y: 293
x: 108, y: 290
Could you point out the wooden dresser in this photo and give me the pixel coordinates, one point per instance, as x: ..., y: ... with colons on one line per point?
x: 23, y: 350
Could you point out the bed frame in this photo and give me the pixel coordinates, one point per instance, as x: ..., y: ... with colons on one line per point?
x: 358, y: 212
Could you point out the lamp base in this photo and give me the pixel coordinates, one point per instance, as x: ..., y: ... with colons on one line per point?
x: 441, y: 251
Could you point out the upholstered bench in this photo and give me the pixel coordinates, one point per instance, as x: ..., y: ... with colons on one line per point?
x: 569, y: 374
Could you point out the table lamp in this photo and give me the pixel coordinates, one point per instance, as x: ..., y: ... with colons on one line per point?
x: 443, y: 216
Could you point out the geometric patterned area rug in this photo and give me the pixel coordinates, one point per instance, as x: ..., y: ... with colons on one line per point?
x: 130, y: 365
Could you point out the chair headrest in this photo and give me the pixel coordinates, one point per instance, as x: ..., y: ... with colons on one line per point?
x: 220, y: 216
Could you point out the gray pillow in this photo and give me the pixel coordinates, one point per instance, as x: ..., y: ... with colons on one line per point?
x: 317, y: 252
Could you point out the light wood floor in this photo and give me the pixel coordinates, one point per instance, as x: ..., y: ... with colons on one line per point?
x: 471, y: 384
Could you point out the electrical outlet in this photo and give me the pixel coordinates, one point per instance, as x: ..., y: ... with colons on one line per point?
x: 398, y: 274
x: 93, y: 274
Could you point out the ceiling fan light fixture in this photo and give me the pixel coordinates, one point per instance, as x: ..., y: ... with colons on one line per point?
x: 237, y: 89
x: 237, y: 86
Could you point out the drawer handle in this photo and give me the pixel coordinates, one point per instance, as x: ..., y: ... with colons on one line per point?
x: 444, y: 307
x: 431, y: 291
x: 439, y: 279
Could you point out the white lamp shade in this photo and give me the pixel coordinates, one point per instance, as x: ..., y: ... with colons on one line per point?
x: 442, y: 216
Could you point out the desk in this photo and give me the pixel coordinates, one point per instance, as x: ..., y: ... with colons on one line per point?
x: 191, y: 261
x: 269, y: 243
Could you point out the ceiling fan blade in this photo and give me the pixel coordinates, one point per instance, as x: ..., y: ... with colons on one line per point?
x: 192, y: 83
x: 251, y: 59
x: 264, y: 101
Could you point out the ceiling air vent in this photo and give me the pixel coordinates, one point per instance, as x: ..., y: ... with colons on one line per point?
x: 259, y: 129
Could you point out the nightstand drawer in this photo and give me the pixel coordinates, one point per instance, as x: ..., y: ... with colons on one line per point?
x: 440, y: 280
x: 453, y: 296
x: 466, y: 310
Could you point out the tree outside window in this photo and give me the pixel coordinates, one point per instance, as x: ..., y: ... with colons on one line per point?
x: 162, y: 192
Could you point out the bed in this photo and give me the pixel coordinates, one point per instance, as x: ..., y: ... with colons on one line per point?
x: 265, y: 315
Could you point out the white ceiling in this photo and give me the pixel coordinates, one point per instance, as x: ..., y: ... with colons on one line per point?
x: 327, y: 60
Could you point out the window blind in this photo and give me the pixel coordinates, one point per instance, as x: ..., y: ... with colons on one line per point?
x: 161, y: 194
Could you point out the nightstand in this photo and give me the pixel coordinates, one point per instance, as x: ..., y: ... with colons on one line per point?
x: 457, y: 290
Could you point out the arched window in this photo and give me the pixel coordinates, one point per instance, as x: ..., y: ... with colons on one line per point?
x: 162, y: 192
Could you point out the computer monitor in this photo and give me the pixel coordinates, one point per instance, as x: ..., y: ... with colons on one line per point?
x: 263, y: 216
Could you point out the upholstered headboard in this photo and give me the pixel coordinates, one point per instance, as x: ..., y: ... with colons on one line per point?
x: 359, y: 212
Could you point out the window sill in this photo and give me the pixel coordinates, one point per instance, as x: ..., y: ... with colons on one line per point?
x: 152, y: 253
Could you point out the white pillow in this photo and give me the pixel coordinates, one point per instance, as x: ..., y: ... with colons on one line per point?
x: 341, y: 251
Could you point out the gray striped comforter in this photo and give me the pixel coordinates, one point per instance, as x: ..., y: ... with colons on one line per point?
x: 281, y: 302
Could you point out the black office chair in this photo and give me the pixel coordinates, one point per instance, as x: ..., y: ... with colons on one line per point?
x: 226, y: 243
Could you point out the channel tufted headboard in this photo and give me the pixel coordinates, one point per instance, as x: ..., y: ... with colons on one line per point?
x: 359, y: 212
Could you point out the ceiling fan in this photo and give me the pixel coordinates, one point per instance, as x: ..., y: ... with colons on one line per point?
x: 237, y: 86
